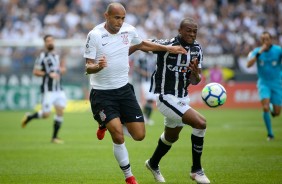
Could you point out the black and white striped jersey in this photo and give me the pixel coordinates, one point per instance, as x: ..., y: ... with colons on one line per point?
x: 172, y: 74
x: 49, y: 62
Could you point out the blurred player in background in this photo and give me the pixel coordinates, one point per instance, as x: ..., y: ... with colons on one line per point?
x: 174, y: 73
x: 215, y: 74
x: 144, y: 66
x: 268, y: 58
x: 49, y: 66
x: 112, y: 98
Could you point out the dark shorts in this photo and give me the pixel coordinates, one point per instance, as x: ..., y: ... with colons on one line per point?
x: 109, y: 104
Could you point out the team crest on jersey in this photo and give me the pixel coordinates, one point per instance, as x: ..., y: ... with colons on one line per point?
x: 274, y: 63
x: 125, y: 39
x: 102, y: 115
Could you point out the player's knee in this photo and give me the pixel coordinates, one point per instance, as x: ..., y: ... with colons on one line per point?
x: 201, y: 124
x: 138, y: 137
x: 172, y: 139
x: 118, y: 139
x: 45, y: 115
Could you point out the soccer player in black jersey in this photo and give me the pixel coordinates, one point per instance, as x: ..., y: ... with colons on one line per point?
x: 49, y: 66
x: 173, y: 74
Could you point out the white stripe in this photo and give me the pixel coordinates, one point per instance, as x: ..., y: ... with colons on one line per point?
x: 163, y: 73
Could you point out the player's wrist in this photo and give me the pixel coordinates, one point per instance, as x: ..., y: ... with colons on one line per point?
x: 97, y: 67
x: 257, y: 55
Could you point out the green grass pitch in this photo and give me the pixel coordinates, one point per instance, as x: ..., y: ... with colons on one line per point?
x: 235, y: 151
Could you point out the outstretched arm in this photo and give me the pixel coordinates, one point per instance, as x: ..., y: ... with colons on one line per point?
x: 147, y: 46
x: 252, y: 61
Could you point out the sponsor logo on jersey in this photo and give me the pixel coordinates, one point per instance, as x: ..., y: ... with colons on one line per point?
x: 181, y: 69
x: 194, y: 53
x: 171, y: 57
x: 105, y: 35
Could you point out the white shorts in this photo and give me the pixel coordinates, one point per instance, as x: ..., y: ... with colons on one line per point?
x: 173, y: 108
x: 56, y: 98
x: 146, y: 89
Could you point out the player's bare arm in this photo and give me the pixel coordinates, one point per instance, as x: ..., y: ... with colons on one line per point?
x: 38, y: 73
x: 63, y: 68
x: 147, y: 46
x: 195, y: 76
x: 92, y: 66
x: 252, y: 61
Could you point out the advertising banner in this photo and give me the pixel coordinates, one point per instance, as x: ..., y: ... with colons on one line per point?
x: 239, y: 95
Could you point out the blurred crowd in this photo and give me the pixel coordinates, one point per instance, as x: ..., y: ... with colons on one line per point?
x: 225, y: 26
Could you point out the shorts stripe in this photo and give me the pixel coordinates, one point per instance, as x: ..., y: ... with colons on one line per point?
x: 170, y: 106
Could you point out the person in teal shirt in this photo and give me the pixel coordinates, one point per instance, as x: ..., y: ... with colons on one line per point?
x: 268, y: 59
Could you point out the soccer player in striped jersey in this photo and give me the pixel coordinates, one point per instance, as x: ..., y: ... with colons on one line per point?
x: 268, y: 58
x: 174, y: 73
x: 49, y: 66
x: 112, y: 98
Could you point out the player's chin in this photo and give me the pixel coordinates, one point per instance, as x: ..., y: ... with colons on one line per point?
x: 190, y: 40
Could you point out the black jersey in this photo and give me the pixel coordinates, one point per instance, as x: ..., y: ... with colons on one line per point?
x: 172, y: 74
x: 49, y: 62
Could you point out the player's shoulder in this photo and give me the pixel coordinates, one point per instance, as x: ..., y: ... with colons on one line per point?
x: 172, y: 41
x: 127, y: 28
x: 196, y: 43
x: 276, y: 47
x: 97, y: 30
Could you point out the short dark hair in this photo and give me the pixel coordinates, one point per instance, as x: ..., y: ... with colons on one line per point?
x: 187, y: 20
x: 47, y: 36
x: 266, y: 32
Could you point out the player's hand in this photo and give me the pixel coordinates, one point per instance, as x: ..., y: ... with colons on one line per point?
x: 176, y: 49
x: 91, y: 67
x: 54, y: 75
x: 263, y: 48
x: 102, y: 62
x: 193, y: 66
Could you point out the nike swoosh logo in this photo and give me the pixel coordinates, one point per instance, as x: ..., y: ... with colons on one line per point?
x: 103, y: 44
x: 137, y: 117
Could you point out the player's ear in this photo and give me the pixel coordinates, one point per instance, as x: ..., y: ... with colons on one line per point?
x: 106, y: 15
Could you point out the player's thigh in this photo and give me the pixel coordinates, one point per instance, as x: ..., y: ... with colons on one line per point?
x: 104, y: 108
x: 60, y: 102
x: 276, y: 95
x: 264, y: 90
x: 47, y: 102
x: 114, y: 126
x: 173, y: 109
x: 194, y: 119
x: 129, y: 107
x: 136, y: 130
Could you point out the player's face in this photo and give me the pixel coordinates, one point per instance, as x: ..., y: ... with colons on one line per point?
x: 49, y: 43
x: 188, y: 32
x: 266, y: 39
x: 114, y: 20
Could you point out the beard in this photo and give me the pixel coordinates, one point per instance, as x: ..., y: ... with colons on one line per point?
x: 50, y: 47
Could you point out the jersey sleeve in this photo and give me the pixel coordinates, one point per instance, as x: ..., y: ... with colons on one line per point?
x: 90, y: 46
x: 136, y: 39
x: 200, y: 57
x: 161, y: 42
x: 253, y: 53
